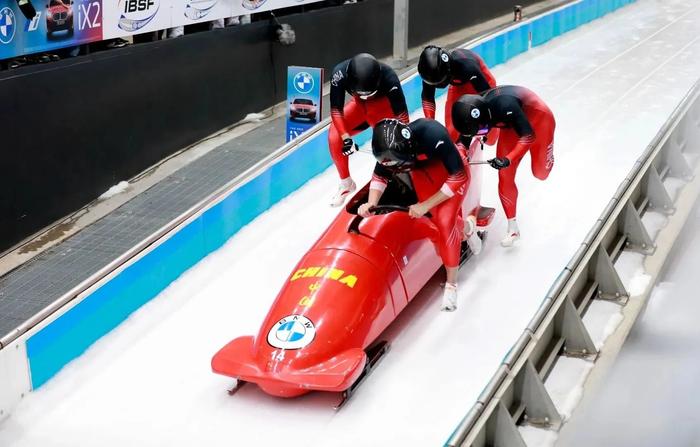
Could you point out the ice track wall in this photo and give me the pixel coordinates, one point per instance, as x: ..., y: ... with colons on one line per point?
x: 75, y: 322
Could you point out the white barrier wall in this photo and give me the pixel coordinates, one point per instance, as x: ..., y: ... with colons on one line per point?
x: 14, y: 376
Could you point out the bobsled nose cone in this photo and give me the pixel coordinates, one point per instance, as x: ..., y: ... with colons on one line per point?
x: 236, y: 359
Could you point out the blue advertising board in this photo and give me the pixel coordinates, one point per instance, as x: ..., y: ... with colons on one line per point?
x: 57, y: 24
x: 304, y: 93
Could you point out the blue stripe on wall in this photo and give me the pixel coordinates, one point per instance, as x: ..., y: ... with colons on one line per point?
x: 72, y: 333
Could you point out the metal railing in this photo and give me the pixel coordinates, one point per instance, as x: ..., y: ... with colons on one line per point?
x: 516, y: 392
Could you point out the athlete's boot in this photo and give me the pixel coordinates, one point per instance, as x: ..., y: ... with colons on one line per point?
x: 472, y: 238
x: 346, y: 187
x: 449, y: 297
x: 512, y: 235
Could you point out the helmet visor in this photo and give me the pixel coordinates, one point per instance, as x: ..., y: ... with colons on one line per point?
x: 483, y: 129
x: 474, y: 129
x: 437, y: 82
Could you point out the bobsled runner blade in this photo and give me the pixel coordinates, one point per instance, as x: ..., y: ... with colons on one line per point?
x: 237, y: 386
x: 465, y: 253
x: 374, y: 355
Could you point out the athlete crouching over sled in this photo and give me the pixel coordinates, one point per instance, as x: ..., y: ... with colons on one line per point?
x: 376, y: 94
x: 526, y: 124
x: 440, y: 175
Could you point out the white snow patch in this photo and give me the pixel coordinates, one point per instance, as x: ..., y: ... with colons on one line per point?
x: 565, y: 383
x: 253, y: 118
x: 537, y: 437
x: 639, y: 284
x: 630, y: 267
x: 601, y: 320
x: 114, y: 190
x: 673, y: 186
x: 654, y: 222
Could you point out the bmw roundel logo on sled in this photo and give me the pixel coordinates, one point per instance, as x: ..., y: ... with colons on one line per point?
x: 303, y: 82
x: 292, y: 332
x: 135, y: 14
x: 252, y: 4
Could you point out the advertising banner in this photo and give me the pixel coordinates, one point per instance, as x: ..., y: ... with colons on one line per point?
x: 57, y: 24
x: 186, y: 12
x: 304, y: 94
x: 67, y: 23
x: 127, y: 17
x: 241, y: 7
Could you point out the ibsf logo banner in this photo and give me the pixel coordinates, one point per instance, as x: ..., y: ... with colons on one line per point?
x: 304, y: 94
x: 136, y: 14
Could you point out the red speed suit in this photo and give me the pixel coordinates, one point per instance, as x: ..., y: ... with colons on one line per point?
x: 358, y: 114
x: 469, y: 75
x: 441, y: 166
x: 526, y: 125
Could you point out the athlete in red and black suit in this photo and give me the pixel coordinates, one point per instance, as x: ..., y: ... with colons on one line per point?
x: 376, y: 94
x: 440, y: 175
x: 462, y: 71
x: 527, y: 125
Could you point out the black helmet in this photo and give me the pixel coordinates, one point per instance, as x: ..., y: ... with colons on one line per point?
x: 393, y: 146
x: 434, y: 65
x: 363, y: 75
x: 471, y: 115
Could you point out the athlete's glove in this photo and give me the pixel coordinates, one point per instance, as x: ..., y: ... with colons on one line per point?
x: 349, y: 146
x: 499, y: 162
x: 364, y: 210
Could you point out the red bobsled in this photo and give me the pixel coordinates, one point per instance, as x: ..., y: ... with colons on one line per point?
x: 321, y: 332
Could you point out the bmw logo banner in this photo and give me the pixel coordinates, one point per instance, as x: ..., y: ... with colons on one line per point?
x: 57, y: 24
x: 304, y: 93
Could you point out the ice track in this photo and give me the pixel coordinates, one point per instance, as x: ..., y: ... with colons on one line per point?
x: 611, y: 85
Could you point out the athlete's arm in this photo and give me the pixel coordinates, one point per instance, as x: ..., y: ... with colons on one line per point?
x: 337, y: 98
x: 526, y: 134
x: 428, y: 100
x: 380, y: 179
x: 394, y: 92
x: 457, y: 177
x: 446, y: 151
x: 479, y: 81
